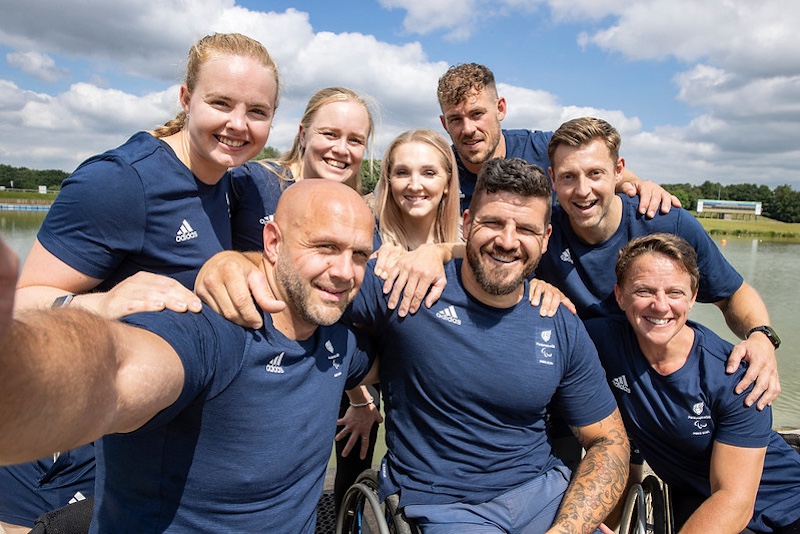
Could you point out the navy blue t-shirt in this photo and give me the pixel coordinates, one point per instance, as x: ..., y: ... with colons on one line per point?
x: 530, y: 145
x: 466, y: 385
x: 246, y: 445
x: 585, y: 273
x: 256, y: 189
x: 137, y: 208
x: 675, y: 419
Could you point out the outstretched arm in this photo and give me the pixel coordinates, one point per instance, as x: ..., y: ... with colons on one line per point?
x: 745, y: 310
x: 9, y: 267
x: 44, y: 277
x: 735, y: 476
x: 600, y: 479
x: 70, y: 377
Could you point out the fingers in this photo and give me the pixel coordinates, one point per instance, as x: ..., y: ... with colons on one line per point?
x: 436, y: 291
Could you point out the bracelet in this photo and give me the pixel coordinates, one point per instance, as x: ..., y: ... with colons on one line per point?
x: 362, y: 404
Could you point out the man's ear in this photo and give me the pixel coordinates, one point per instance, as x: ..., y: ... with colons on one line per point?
x: 272, y: 241
x: 444, y: 122
x: 618, y: 296
x: 619, y: 169
x: 466, y: 223
x: 501, y: 108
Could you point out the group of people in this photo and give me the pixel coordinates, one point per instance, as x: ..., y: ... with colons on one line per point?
x: 200, y: 424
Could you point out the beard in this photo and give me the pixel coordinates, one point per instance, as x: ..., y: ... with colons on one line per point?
x: 298, y: 294
x: 492, y: 279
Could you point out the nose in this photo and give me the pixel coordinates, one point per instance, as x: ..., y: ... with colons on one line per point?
x: 582, y: 187
x: 660, y: 301
x: 341, y: 267
x: 237, y: 119
x: 340, y: 145
x: 507, y: 237
x: 469, y: 127
x: 414, y: 181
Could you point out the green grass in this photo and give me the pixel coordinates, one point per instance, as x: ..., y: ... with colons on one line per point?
x: 26, y: 197
x: 763, y: 228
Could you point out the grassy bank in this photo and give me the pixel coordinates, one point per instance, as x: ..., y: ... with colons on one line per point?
x: 763, y: 228
x: 27, y: 197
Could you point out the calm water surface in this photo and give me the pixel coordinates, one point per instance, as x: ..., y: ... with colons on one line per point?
x: 770, y: 267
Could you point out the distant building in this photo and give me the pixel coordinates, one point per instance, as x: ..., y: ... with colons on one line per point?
x: 728, y: 209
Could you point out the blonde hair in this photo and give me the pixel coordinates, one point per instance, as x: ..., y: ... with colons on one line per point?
x: 446, y: 226
x: 294, y: 156
x: 211, y: 47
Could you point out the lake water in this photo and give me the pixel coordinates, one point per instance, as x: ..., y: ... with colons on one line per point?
x: 769, y: 266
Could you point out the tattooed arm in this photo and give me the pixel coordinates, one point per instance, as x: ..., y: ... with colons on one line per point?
x: 600, y: 479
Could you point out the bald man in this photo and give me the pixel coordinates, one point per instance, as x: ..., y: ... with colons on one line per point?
x: 205, y: 425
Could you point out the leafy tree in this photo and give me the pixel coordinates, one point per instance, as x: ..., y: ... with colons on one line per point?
x: 268, y: 152
x: 370, y: 174
x: 785, y: 205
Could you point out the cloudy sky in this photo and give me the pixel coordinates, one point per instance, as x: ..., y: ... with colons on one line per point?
x: 699, y: 90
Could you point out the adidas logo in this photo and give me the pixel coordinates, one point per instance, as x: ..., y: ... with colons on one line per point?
x: 274, y: 365
x: 449, y: 314
x: 77, y: 498
x: 185, y: 232
x: 266, y: 218
x: 567, y: 256
x: 621, y: 383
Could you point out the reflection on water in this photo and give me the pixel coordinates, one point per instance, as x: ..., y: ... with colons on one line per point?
x: 770, y: 267
x: 19, y: 229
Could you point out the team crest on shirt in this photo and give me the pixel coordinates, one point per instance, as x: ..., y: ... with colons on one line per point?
x: 334, y: 356
x: 545, y: 347
x: 698, y: 408
x: 546, y: 335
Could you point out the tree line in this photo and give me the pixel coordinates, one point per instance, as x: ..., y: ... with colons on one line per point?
x: 781, y: 203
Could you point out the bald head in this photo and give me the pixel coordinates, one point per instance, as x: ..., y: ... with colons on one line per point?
x: 316, y: 201
x: 316, y: 251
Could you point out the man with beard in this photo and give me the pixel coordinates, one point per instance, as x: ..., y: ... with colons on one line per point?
x: 206, y: 426
x: 472, y: 112
x: 466, y: 382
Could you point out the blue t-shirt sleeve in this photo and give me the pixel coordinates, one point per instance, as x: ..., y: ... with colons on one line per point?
x: 718, y: 279
x: 584, y: 395
x: 369, y: 305
x: 255, y: 191
x: 363, y: 357
x: 98, y: 217
x: 211, y: 350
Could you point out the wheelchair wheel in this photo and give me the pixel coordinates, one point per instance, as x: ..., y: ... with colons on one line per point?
x: 398, y: 524
x: 361, y: 512
x: 645, y: 510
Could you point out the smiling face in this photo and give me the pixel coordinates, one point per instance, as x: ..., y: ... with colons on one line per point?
x: 656, y: 296
x: 474, y: 127
x: 418, y: 180
x: 319, y: 241
x: 506, y: 236
x: 335, y: 140
x: 584, y: 179
x: 229, y: 113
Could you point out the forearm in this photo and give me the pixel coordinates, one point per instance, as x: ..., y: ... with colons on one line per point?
x: 57, y: 374
x: 721, y: 513
x: 599, y: 481
x: 744, y: 310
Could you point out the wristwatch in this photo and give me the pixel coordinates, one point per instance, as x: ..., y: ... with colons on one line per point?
x: 63, y: 301
x: 767, y: 331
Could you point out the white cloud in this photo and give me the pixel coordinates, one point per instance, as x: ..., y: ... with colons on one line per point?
x: 39, y: 65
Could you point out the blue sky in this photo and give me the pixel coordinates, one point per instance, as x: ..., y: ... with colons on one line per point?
x: 699, y: 90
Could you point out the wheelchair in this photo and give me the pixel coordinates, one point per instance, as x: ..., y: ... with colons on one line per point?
x: 362, y: 513
x: 648, y: 509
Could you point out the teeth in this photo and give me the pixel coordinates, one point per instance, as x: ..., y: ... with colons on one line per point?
x: 503, y: 259
x: 337, y: 164
x: 584, y: 204
x: 231, y: 142
x: 659, y: 322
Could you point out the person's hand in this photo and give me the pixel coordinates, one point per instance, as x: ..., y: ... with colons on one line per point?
x: 411, y: 276
x: 548, y: 297
x: 142, y: 292
x: 357, y: 422
x: 604, y: 529
x: 9, y: 269
x: 229, y: 282
x: 759, y: 353
x: 651, y: 197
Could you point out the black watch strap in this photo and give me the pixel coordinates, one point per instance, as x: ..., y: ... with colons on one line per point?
x: 767, y: 331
